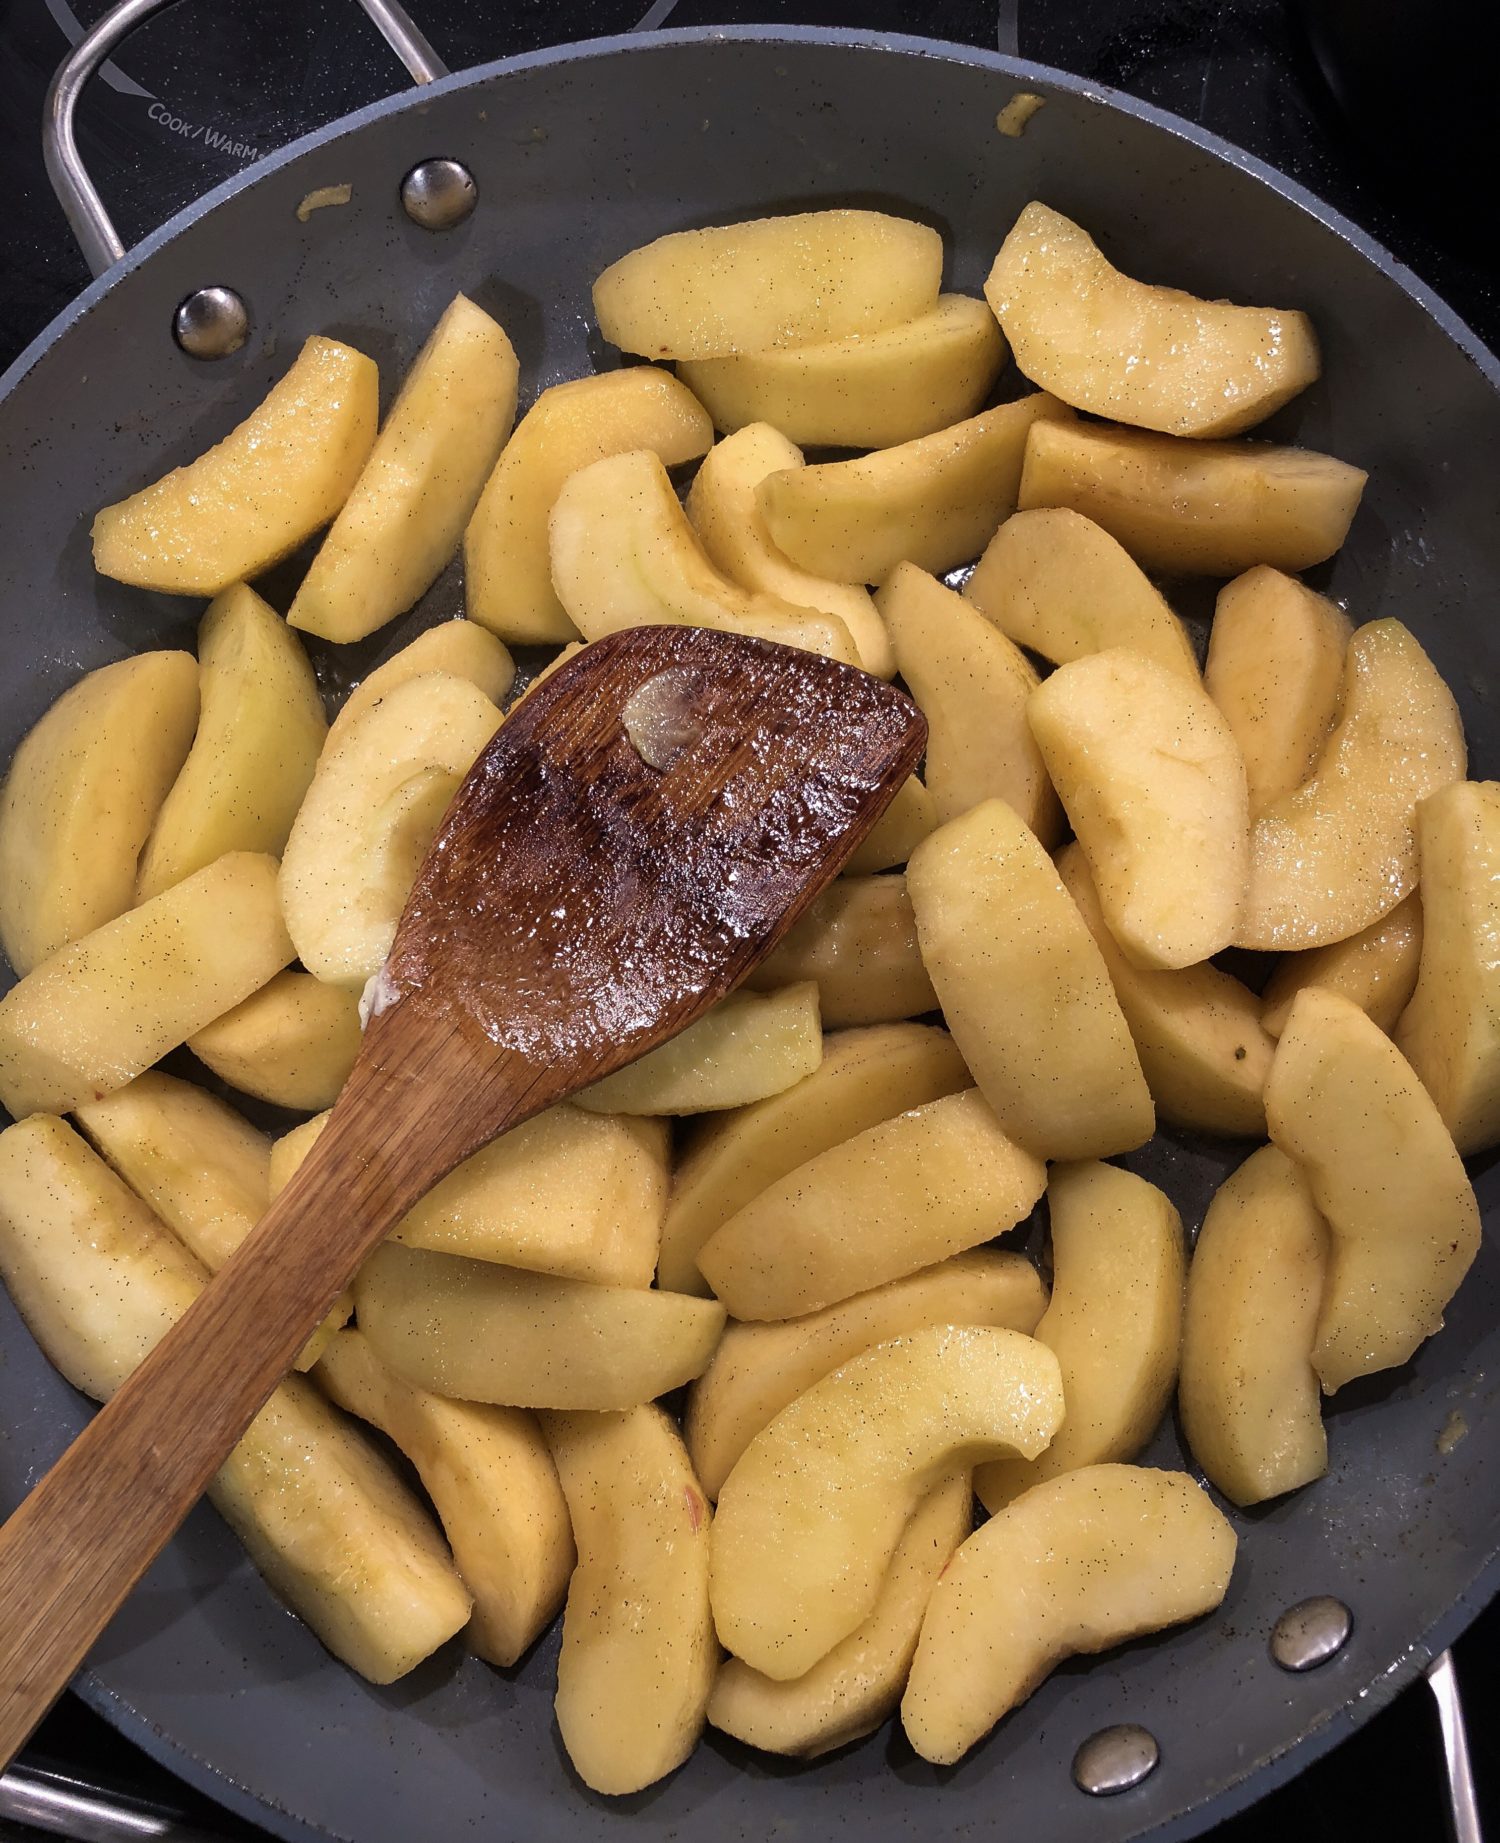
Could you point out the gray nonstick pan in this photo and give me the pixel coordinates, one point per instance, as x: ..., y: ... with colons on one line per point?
x: 576, y: 155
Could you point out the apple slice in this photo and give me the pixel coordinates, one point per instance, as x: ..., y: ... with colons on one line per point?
x: 1079, y: 1564
x: 266, y: 488
x: 1202, y: 508
x: 868, y: 390
x: 1340, y: 851
x: 461, y: 648
x: 974, y: 686
x: 1025, y: 990
x: 1348, y: 1107
x: 1054, y: 581
x: 858, y: 943
x: 624, y: 555
x: 812, y: 1514
x: 507, y: 567
x: 1150, y: 356
x: 1376, y: 968
x: 896, y: 833
x: 1153, y: 781
x: 292, y: 1043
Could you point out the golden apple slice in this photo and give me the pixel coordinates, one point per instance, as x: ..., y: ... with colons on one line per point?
x: 492, y: 1482
x: 292, y: 1043
x: 251, y: 500
x: 1450, y: 1032
x: 1202, y: 508
x: 1345, y: 1104
x: 1248, y: 1393
x: 1079, y: 1564
x: 1151, y: 356
x: 1376, y: 968
x: 624, y: 555
x: 853, y: 1689
x: 894, y: 1199
x: 935, y: 501
x: 460, y: 648
x: 864, y: 1077
x: 858, y: 943
x: 638, y: 1650
x: 1197, y: 1030
x: 811, y: 1516
x: 758, y: 1370
x: 82, y: 793
x: 974, y: 686
x: 1056, y: 582
x: 404, y: 516
x: 869, y: 390
x: 1340, y: 851
x: 1152, y: 778
x: 1025, y: 990
x: 1276, y: 669
x: 897, y: 832
x: 770, y: 282
x: 252, y: 760
x: 726, y: 515
x: 507, y: 568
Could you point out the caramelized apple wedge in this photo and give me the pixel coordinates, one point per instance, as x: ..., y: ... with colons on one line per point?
x: 1376, y: 968
x: 461, y: 648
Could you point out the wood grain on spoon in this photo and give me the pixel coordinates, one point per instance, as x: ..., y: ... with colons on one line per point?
x: 580, y: 904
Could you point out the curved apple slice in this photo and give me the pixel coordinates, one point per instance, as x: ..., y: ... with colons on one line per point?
x: 461, y: 648
x: 858, y: 943
x: 897, y: 832
x: 1376, y: 969
x: 812, y: 1514
x: 292, y: 1043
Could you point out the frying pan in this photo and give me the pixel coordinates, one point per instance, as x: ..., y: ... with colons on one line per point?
x: 578, y: 154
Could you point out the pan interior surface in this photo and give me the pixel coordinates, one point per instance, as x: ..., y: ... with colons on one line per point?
x: 579, y: 156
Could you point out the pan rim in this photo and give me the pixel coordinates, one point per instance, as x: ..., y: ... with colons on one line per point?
x: 1258, y: 1777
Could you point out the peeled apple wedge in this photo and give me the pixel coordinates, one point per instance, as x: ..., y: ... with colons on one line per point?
x: 934, y: 501
x: 479, y: 1332
x: 1152, y: 778
x: 865, y: 1076
x: 624, y: 555
x: 1079, y: 1564
x: 569, y: 1193
x: 749, y: 1046
x: 858, y: 943
x: 96, y: 1013
x: 1190, y: 507
x: 80, y: 798
x: 894, y: 1199
x: 292, y: 1043
x: 1114, y: 1323
x: 973, y: 685
x: 493, y: 1484
x: 406, y: 512
x: 336, y: 1533
x: 725, y: 513
x: 1056, y: 582
x: 1346, y: 1106
x: 507, y: 569
x: 1198, y: 1031
x: 461, y: 648
x: 896, y: 833
x: 813, y: 1513
x: 851, y: 1691
x: 771, y: 282
x: 1376, y: 968
x: 377, y: 798
x: 1025, y: 991
x: 1340, y: 851
x: 265, y: 488
x: 869, y: 390
x: 638, y: 1648
x: 252, y: 760
x: 758, y: 1370
x: 1247, y: 1392
x: 1450, y: 1032
x: 1276, y: 669
x: 1154, y: 357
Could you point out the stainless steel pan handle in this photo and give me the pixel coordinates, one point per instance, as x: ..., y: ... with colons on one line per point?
x: 76, y: 191
x: 1463, y: 1805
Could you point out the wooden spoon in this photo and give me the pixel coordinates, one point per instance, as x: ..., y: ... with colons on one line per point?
x: 580, y: 904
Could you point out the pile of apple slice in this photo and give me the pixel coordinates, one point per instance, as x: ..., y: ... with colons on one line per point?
x: 1021, y: 973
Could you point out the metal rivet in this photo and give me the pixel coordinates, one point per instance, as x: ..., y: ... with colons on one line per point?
x: 1115, y: 1759
x: 211, y: 323
x: 1311, y: 1632
x: 437, y: 194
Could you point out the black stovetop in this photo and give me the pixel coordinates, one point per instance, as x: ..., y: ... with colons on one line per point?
x: 202, y: 90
